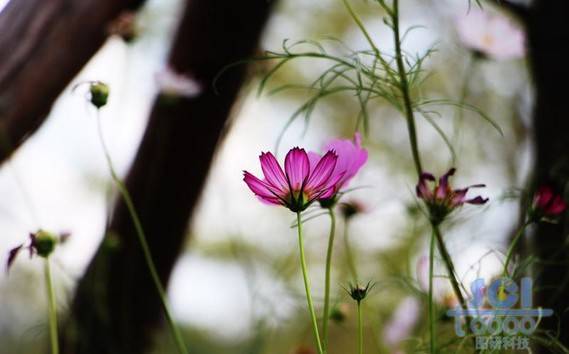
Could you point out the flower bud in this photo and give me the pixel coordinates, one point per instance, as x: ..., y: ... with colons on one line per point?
x: 547, y: 205
x: 351, y: 208
x: 43, y: 243
x: 359, y: 292
x: 328, y: 203
x: 99, y: 94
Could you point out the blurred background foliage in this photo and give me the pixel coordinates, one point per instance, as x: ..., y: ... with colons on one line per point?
x: 237, y: 288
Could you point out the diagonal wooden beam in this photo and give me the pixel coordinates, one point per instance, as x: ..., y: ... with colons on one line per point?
x: 43, y: 45
x: 166, y: 179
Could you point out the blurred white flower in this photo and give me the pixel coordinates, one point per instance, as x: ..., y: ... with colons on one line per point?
x: 172, y: 83
x: 492, y: 35
x: 402, y: 323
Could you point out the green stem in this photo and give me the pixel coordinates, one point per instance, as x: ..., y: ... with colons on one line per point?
x: 431, y: 302
x: 447, y: 260
x: 52, y: 308
x: 360, y: 330
x: 467, y: 77
x: 181, y: 346
x: 449, y: 266
x: 350, y: 259
x: 362, y: 28
x: 404, y: 87
x: 510, y: 252
x: 326, y: 316
x: 307, y: 286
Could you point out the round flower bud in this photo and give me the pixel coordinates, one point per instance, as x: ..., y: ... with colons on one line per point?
x: 43, y: 243
x: 99, y: 94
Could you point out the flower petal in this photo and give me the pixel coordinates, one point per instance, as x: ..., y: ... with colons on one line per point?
x: 313, y: 159
x: 297, y: 168
x: 422, y: 188
x: 543, y: 197
x: 351, y: 157
x: 557, y: 206
x: 322, y: 172
x: 477, y: 200
x: 332, y: 186
x: 458, y: 197
x: 262, y: 189
x: 273, y: 172
x: 12, y: 256
x: 443, y: 188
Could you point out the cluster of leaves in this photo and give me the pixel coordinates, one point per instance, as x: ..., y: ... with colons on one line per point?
x: 367, y: 75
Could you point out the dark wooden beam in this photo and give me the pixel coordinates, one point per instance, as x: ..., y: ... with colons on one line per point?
x: 116, y: 308
x: 44, y: 44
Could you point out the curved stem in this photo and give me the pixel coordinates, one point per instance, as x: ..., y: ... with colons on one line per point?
x: 326, y: 316
x: 52, y: 309
x: 404, y: 87
x: 432, y: 322
x: 307, y: 286
x: 510, y: 252
x: 181, y: 346
x: 360, y: 330
x: 350, y: 259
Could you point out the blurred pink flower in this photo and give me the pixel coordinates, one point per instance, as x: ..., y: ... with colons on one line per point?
x: 490, y: 34
x: 172, y: 83
x: 400, y: 326
x: 300, y: 184
x: 547, y: 204
x: 351, y: 157
x: 442, y: 200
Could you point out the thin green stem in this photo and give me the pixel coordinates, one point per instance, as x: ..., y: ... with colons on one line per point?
x: 366, y: 34
x: 360, y: 330
x: 307, y: 286
x: 404, y: 87
x: 467, y: 77
x: 326, y: 316
x: 510, y: 252
x: 52, y: 308
x: 447, y: 260
x: 350, y: 259
x: 432, y: 321
x: 181, y: 346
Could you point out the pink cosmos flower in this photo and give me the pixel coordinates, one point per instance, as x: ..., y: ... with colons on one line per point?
x: 351, y: 157
x: 300, y: 184
x: 442, y: 200
x: 547, y: 204
x: 492, y: 35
